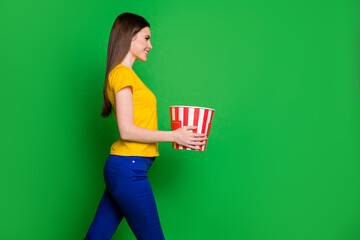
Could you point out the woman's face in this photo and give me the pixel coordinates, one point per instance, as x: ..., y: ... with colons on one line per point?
x: 141, y: 45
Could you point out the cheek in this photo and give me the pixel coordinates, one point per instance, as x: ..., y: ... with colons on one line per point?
x: 140, y: 46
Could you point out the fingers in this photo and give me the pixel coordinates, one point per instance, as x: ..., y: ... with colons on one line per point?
x: 197, y: 142
x: 199, y: 139
x: 191, y: 128
x: 202, y: 136
x: 195, y: 134
x: 194, y: 139
x: 194, y: 147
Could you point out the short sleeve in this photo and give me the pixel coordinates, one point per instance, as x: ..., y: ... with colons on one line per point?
x: 121, y: 78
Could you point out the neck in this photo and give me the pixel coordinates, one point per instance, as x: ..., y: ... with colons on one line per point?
x: 128, y: 61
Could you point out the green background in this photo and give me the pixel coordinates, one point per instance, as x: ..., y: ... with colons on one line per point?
x: 282, y: 160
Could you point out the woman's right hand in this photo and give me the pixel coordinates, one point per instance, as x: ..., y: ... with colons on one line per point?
x: 184, y: 137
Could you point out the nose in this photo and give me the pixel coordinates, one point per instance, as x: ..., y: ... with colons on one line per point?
x: 150, y: 46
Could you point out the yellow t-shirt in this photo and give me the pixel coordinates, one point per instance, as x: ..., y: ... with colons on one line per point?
x: 145, y: 113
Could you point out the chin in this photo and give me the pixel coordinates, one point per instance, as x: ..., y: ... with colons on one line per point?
x: 143, y: 59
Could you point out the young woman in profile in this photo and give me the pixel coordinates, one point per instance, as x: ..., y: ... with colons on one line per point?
x: 128, y: 191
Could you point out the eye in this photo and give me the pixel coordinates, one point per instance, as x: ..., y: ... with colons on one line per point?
x: 147, y: 38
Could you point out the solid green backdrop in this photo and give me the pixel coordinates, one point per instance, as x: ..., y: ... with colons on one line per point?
x: 282, y: 160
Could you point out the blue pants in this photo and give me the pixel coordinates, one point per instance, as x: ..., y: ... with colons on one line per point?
x: 127, y: 194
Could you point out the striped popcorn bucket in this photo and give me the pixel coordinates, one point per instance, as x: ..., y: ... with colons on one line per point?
x: 191, y: 116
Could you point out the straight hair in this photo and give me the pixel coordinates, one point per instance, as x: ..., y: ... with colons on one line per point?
x: 125, y: 27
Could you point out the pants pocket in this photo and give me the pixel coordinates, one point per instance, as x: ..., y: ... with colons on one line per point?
x: 138, y: 169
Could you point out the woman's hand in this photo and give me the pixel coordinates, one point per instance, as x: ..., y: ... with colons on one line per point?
x: 184, y: 137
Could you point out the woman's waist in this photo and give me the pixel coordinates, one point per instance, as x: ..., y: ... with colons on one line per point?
x: 126, y: 148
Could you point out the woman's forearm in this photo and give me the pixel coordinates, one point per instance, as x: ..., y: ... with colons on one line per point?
x: 140, y: 134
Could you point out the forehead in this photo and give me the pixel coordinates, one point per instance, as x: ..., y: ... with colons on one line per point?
x: 145, y: 31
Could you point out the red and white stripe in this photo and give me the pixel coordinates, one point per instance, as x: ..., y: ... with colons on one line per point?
x: 191, y: 116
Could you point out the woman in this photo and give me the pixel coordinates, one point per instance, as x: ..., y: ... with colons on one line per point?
x: 128, y: 191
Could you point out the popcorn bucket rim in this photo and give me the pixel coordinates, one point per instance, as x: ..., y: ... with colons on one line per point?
x: 192, y: 107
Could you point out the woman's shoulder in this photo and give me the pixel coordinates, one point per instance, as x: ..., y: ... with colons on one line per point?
x: 120, y: 70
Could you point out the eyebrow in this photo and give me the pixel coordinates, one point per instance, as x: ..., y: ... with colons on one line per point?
x: 148, y: 35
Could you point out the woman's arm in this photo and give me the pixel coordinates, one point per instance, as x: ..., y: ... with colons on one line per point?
x: 125, y: 121
x: 129, y: 132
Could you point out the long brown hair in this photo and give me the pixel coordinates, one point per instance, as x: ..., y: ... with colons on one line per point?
x: 125, y: 27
